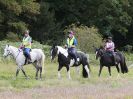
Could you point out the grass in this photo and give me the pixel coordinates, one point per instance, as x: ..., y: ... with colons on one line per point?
x: 94, y: 85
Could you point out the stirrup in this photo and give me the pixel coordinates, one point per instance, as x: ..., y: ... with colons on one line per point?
x: 29, y: 61
x: 76, y: 63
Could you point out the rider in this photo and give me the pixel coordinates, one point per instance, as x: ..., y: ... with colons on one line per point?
x: 109, y: 47
x: 26, y: 45
x: 71, y: 44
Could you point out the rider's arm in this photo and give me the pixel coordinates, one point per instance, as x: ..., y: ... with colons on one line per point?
x: 109, y: 46
x: 75, y: 42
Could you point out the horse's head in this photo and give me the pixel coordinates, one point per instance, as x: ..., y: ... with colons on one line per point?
x: 54, y: 51
x: 99, y: 52
x: 7, y: 51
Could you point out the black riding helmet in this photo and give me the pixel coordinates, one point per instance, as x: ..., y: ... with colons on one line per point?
x: 109, y: 38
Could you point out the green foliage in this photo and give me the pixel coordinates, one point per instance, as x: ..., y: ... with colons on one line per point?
x: 47, y: 19
x: 17, y: 15
x: 12, y: 37
x: 128, y: 48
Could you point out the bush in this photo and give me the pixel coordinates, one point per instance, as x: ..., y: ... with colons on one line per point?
x: 12, y: 37
x: 87, y: 37
x: 128, y: 48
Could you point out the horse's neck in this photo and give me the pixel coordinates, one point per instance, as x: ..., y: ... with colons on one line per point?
x: 14, y: 51
x: 62, y: 51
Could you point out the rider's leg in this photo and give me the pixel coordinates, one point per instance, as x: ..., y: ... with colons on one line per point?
x: 74, y: 52
x: 114, y: 59
x: 28, y: 54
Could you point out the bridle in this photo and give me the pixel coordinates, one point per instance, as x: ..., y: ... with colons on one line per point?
x: 99, y: 53
x: 9, y: 53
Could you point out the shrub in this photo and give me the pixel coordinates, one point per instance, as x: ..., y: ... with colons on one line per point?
x: 128, y: 48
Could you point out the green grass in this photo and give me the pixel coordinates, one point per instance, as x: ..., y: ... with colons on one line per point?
x: 7, y: 74
x: 50, y: 80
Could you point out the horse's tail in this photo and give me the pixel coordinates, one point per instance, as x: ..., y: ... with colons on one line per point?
x: 124, y: 68
x: 42, y: 62
x: 84, y: 72
x: 86, y: 63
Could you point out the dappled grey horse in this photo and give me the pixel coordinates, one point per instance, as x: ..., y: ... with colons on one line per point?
x: 64, y: 59
x: 37, y: 58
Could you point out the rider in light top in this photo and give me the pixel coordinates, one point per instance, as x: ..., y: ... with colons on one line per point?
x: 26, y: 44
x: 110, y: 46
x: 71, y: 44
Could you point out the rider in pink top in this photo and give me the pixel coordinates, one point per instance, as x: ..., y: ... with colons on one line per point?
x: 109, y: 46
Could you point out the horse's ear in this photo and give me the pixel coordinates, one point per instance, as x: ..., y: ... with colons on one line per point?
x: 7, y: 45
x: 54, y: 45
x: 94, y: 48
x: 101, y: 47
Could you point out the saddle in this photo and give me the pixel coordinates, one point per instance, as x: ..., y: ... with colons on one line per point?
x: 78, y: 60
x: 112, y: 56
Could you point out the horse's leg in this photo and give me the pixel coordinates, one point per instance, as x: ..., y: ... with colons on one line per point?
x: 87, y: 70
x: 59, y: 68
x: 109, y: 69
x: 40, y: 73
x: 37, y: 69
x: 117, y: 67
x: 77, y: 70
x: 24, y: 72
x: 100, y: 70
x: 68, y: 72
x: 17, y: 71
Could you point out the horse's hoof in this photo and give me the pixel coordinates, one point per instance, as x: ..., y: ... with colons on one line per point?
x: 59, y: 78
x: 14, y: 78
x: 36, y: 78
x: 27, y: 78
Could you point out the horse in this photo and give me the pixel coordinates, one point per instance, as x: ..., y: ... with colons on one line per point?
x: 37, y: 58
x: 106, y: 59
x: 64, y: 60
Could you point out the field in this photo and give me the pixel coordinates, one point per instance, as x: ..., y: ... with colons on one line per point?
x: 50, y: 87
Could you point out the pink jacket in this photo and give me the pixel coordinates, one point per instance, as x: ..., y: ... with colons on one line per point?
x: 110, y: 46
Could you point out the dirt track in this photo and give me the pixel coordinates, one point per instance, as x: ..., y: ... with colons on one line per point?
x: 81, y: 92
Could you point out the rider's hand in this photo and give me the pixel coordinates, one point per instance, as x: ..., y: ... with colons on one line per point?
x: 65, y: 46
x: 73, y: 46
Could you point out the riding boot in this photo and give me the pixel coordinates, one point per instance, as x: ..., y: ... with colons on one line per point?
x: 26, y: 59
x: 76, y: 61
x: 114, y: 59
x: 29, y: 59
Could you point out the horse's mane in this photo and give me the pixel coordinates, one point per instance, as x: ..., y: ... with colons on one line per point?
x: 13, y: 47
x: 62, y: 50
